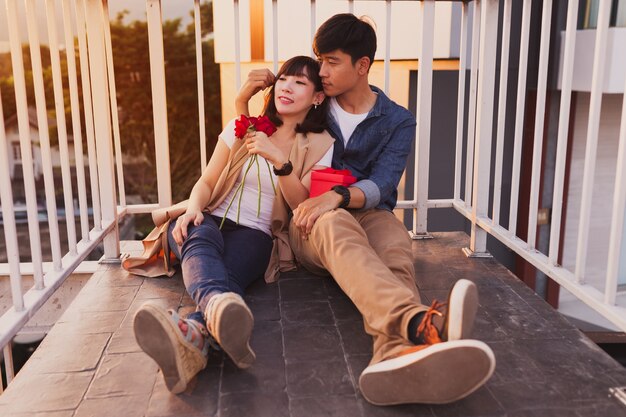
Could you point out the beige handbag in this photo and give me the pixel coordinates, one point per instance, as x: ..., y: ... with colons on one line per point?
x: 156, y: 258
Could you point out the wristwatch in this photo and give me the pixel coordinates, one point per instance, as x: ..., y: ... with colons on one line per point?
x: 284, y: 170
x: 343, y: 192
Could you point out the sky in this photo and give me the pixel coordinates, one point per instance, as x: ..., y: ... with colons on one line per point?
x: 172, y: 9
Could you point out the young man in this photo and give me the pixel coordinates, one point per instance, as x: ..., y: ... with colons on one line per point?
x: 420, y: 354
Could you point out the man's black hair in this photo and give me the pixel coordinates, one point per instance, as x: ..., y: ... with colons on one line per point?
x: 315, y: 120
x: 348, y: 33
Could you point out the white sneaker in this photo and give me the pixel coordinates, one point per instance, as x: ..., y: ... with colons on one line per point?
x: 429, y: 374
x: 230, y: 322
x: 461, y: 311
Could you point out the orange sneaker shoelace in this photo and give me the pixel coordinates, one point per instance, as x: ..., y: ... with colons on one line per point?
x: 427, y: 329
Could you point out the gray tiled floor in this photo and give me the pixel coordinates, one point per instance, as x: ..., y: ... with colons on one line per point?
x: 311, y: 348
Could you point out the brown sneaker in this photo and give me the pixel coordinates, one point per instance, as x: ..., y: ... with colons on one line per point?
x: 429, y: 374
x: 230, y: 322
x: 453, y: 320
x: 180, y: 356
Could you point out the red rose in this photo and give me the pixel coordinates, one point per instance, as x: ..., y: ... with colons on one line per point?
x: 264, y: 124
x: 241, y: 126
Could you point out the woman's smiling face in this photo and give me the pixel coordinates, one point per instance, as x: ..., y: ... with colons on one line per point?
x: 295, y: 94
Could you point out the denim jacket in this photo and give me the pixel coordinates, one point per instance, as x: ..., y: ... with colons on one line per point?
x: 377, y: 151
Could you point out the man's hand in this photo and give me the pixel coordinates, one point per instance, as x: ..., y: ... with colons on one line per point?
x: 307, y: 213
x: 180, y: 230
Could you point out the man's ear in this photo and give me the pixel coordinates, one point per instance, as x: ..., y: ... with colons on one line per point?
x: 363, y: 65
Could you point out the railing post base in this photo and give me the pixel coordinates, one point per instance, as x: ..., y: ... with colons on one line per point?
x: 472, y: 254
x: 419, y: 236
x: 110, y: 261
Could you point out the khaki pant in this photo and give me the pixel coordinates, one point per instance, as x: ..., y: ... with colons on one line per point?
x: 369, y: 255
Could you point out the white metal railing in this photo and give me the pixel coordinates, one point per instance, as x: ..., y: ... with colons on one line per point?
x: 87, y: 22
x: 609, y: 301
x: 478, y: 55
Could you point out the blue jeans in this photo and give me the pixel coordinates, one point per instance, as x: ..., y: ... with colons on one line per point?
x: 216, y: 261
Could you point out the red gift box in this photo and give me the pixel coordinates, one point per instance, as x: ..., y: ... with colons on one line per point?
x: 323, y: 180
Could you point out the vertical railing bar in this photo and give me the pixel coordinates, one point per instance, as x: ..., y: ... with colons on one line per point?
x: 275, y: 34
x: 350, y: 6
x: 460, y: 111
x: 423, y: 112
x: 563, y: 132
x: 616, y: 240
x: 313, y: 26
x: 102, y: 123
x: 200, y: 79
x: 9, y: 366
x: 88, y: 109
x: 471, y: 116
x: 159, y: 101
x: 237, y: 47
x: 484, y: 123
x: 8, y: 215
x: 540, y: 113
x: 21, y: 103
x: 387, y: 45
x: 59, y: 107
x: 119, y: 165
x: 76, y: 123
x: 502, y: 100
x: 597, y: 85
x: 519, y: 115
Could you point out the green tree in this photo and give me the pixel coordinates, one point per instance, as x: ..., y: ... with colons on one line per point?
x: 132, y: 77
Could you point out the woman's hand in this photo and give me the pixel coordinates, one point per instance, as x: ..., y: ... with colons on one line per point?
x: 258, y: 79
x: 259, y: 144
x: 180, y: 230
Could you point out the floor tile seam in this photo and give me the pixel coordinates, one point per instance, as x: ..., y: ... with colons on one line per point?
x: 291, y: 361
x: 284, y: 348
x: 118, y: 396
x: 154, y: 384
x: 255, y: 390
x: 26, y: 413
x: 353, y: 379
x: 324, y: 396
x: 291, y: 326
x: 218, y: 404
x: 97, y: 368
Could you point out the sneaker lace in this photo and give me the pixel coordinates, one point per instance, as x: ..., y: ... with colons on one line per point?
x: 427, y: 330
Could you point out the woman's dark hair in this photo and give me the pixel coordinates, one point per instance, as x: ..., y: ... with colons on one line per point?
x: 347, y: 33
x: 315, y: 120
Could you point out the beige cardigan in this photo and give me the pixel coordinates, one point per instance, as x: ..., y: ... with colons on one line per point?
x: 307, y: 150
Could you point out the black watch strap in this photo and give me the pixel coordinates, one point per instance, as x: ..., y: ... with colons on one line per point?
x: 343, y: 192
x: 284, y: 170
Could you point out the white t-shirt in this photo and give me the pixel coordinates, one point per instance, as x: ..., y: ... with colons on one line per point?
x: 250, y: 198
x: 347, y: 121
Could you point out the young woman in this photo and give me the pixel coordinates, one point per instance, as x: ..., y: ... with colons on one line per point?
x: 218, y: 263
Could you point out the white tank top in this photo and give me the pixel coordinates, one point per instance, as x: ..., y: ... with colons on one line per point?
x: 250, y: 198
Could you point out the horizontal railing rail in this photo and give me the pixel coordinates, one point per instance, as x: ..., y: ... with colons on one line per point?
x: 476, y: 190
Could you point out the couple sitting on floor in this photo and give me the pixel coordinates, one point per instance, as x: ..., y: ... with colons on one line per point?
x: 325, y: 114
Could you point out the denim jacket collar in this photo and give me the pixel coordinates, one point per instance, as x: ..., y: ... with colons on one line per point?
x: 381, y: 106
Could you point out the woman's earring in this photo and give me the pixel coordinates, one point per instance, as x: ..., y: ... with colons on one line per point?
x: 315, y: 106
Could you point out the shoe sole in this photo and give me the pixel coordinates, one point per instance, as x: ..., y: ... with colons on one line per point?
x: 161, y: 339
x: 460, y: 321
x: 439, y: 374
x: 233, y: 329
